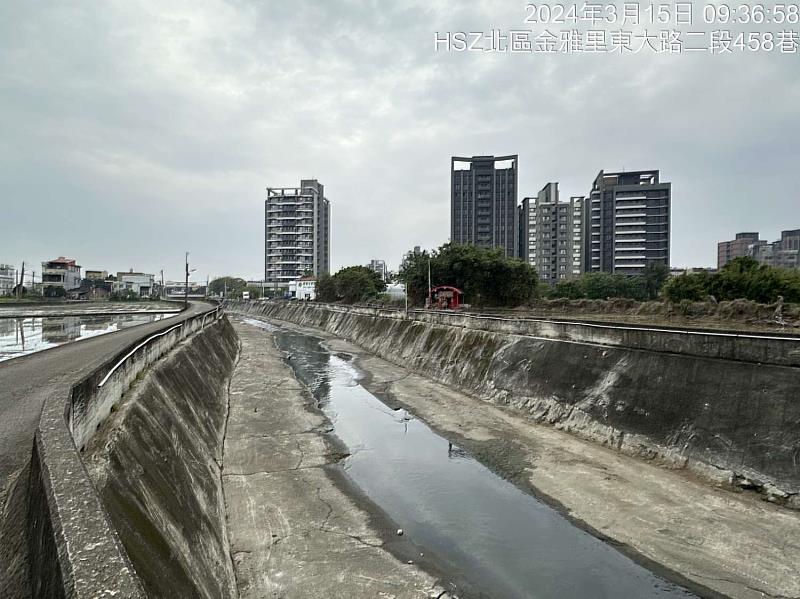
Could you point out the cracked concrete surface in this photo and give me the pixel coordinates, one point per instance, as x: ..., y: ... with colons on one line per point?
x: 728, y: 543
x: 734, y: 544
x: 293, y: 532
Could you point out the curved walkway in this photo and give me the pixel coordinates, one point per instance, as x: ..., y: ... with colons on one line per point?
x: 26, y: 382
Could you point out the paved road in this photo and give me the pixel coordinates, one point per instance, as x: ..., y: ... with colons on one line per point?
x: 27, y: 381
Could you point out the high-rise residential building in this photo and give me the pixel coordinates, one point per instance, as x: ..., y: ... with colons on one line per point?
x: 743, y: 245
x: 550, y: 232
x: 408, y: 256
x: 483, y: 202
x: 297, y: 232
x: 61, y: 272
x: 627, y: 222
x: 378, y: 266
x: 784, y: 253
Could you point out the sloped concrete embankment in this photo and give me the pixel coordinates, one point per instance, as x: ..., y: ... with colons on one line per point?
x: 157, y: 467
x: 156, y: 527
x: 723, y: 406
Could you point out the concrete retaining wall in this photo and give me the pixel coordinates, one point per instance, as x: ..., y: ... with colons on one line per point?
x: 156, y: 465
x: 726, y: 407
x: 74, y: 551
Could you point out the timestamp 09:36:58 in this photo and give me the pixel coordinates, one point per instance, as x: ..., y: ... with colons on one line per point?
x: 677, y: 13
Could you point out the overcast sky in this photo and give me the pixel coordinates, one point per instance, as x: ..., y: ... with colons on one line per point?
x: 133, y: 131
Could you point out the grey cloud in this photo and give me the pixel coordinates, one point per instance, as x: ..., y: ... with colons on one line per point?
x: 148, y: 129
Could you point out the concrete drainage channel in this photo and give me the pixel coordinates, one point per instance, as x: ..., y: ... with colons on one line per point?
x: 150, y: 517
x: 473, y: 525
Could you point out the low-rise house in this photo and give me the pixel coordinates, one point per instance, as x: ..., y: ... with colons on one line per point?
x: 304, y: 288
x: 93, y: 289
x: 142, y: 284
x: 61, y: 272
x: 7, y: 279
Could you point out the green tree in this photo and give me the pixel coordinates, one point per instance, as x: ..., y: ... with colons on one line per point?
x: 486, y: 276
x: 350, y: 285
x: 326, y: 288
x: 692, y: 287
x: 255, y: 291
x: 568, y: 288
x: 603, y: 285
x: 358, y: 283
x: 232, y: 285
x: 741, y: 278
x: 653, y: 278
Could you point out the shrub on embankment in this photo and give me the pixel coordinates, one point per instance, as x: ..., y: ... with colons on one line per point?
x: 741, y: 278
x: 603, y: 285
x: 736, y: 311
x: 715, y: 405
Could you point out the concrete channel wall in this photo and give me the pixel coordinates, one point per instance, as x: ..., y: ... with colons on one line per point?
x: 74, y: 550
x: 727, y: 407
x: 157, y: 466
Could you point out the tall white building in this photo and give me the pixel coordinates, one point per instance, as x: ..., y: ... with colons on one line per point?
x: 297, y: 233
x: 378, y: 266
x: 551, y: 234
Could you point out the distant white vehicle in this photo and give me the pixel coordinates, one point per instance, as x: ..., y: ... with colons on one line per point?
x: 245, y: 295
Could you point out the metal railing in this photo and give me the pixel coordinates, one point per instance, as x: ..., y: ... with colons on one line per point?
x: 137, y: 348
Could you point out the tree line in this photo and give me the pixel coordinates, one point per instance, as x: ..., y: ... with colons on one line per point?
x: 350, y: 285
x: 741, y: 278
x: 488, y: 278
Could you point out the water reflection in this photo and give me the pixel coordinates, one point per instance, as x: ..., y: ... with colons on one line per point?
x: 479, y: 527
x: 21, y: 336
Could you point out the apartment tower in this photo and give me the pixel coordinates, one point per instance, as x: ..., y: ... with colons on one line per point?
x: 745, y: 244
x: 297, y: 233
x: 550, y: 234
x: 483, y: 202
x: 627, y: 219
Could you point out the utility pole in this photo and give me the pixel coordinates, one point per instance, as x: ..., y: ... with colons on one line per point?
x: 406, y: 290
x: 21, y: 281
x: 186, y: 288
x: 430, y: 301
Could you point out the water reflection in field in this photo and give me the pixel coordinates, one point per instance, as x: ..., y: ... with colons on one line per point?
x: 21, y: 336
